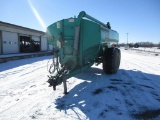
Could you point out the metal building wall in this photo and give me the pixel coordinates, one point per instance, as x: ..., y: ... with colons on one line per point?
x: 35, y: 38
x: 10, y: 38
x: 19, y: 30
x: 44, y: 46
x: 10, y: 42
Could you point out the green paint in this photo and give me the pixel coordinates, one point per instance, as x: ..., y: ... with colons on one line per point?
x: 90, y: 39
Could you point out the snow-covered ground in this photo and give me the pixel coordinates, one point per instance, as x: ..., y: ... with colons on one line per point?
x: 132, y: 93
x: 147, y: 49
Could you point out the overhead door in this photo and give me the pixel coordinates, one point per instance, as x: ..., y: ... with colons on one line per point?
x: 44, y: 44
x: 10, y: 42
x: 36, y: 41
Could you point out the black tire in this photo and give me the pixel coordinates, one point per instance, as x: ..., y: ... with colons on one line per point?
x: 111, y: 60
x: 119, y: 58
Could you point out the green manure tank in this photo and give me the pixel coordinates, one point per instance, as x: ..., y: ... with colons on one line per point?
x: 78, y: 43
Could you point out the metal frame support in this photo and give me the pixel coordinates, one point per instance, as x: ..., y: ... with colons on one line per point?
x: 65, y: 86
x: 76, y: 41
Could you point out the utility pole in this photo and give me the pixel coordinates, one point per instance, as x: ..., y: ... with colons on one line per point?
x: 127, y: 38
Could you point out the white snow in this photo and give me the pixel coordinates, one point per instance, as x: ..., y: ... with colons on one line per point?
x: 148, y: 49
x: 93, y: 95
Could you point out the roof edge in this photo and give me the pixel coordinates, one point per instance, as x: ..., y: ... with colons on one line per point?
x: 21, y: 27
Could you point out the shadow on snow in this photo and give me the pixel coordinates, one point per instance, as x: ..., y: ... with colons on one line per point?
x: 124, y: 95
x: 16, y: 63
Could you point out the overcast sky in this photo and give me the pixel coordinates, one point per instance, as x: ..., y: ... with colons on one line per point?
x: 139, y: 18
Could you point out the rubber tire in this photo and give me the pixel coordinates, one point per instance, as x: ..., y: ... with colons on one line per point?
x: 119, y: 58
x: 111, y: 60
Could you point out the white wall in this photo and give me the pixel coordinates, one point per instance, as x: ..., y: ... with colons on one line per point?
x: 44, y: 44
x: 35, y: 38
x: 10, y: 38
x: 10, y: 42
x: 18, y: 30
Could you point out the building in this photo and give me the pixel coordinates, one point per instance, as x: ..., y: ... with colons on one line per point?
x: 18, y: 39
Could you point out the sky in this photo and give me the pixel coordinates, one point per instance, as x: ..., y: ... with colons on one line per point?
x: 139, y: 18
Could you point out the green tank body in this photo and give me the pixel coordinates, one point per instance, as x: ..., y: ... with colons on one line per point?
x: 78, y: 43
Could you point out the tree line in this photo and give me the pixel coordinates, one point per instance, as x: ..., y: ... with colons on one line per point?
x: 141, y: 44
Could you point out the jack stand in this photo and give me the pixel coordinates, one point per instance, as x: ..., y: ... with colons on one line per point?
x: 65, y: 86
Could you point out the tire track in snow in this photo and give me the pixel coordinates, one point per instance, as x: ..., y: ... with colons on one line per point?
x: 140, y: 62
x: 144, y: 84
x: 10, y: 80
x: 138, y: 69
x: 135, y: 95
x: 92, y: 94
x: 18, y: 101
x: 26, y: 103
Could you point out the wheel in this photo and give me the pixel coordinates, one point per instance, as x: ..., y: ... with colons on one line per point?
x: 119, y: 58
x: 111, y: 60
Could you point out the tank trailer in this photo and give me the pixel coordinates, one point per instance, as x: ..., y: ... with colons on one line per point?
x: 78, y: 43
